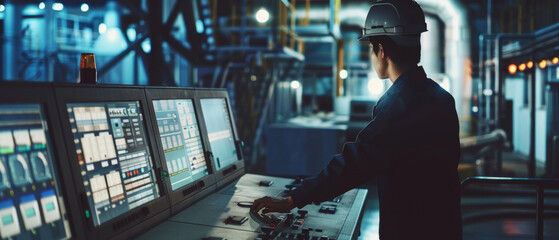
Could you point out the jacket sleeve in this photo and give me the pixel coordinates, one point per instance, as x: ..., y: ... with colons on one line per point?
x: 358, y: 162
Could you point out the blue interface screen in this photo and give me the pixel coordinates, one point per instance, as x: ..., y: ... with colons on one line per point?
x: 220, y: 131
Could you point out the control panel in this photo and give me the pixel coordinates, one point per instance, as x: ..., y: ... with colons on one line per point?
x: 31, y: 205
x: 114, y: 157
x: 180, y: 141
x: 228, y: 213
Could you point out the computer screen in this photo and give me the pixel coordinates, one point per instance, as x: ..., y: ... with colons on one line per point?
x: 220, y: 131
x: 181, y: 142
x: 114, y: 157
x: 30, y: 201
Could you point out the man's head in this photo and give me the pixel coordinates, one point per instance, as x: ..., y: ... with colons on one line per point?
x: 393, y: 29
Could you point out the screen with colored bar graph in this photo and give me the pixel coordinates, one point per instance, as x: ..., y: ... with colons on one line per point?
x: 114, y: 157
x: 30, y: 201
x: 180, y: 141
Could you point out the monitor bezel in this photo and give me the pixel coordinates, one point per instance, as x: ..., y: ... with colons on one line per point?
x: 190, y: 193
x: 230, y: 173
x: 128, y: 224
x: 43, y: 94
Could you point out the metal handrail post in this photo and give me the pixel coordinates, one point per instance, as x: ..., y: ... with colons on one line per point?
x: 539, y: 212
x: 540, y: 184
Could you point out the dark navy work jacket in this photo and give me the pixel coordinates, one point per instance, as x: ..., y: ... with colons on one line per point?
x: 412, y: 148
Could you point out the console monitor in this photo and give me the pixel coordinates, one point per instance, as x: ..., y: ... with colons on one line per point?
x: 31, y: 201
x: 220, y: 132
x: 114, y: 157
x: 109, y: 139
x: 181, y: 145
x: 181, y: 141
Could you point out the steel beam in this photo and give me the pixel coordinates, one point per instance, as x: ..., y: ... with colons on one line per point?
x: 120, y: 56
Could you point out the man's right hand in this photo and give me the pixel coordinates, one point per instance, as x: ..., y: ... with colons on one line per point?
x: 273, y: 204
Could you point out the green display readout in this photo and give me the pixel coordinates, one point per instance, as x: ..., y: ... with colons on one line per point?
x: 6, y: 150
x: 23, y: 148
x: 39, y: 146
x: 49, y: 206
x: 30, y: 212
x: 7, y: 219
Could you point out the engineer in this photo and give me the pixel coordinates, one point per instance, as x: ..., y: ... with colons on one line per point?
x: 411, y: 146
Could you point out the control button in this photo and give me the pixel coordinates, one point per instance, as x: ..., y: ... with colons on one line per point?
x: 314, y: 238
x: 265, y: 183
x: 328, y: 208
x: 324, y: 238
x: 302, y: 213
x: 9, y: 223
x: 305, y: 231
x: 318, y: 230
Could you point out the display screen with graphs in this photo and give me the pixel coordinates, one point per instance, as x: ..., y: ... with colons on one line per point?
x: 29, y: 190
x: 180, y: 141
x: 114, y: 157
x: 220, y: 131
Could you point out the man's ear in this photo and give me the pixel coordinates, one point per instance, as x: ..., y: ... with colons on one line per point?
x: 380, y: 51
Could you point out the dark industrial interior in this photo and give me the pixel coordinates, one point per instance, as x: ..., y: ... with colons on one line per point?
x: 195, y: 108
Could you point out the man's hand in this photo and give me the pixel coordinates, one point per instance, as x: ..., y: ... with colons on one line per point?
x: 273, y: 204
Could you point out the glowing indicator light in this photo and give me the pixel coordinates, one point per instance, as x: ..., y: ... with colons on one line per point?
x: 41, y: 5
x: 102, y: 28
x: 542, y: 64
x: 57, y: 6
x: 522, y: 67
x: 530, y: 64
x: 2, y: 8
x: 375, y: 86
x: 512, y: 68
x: 343, y: 74
x: 262, y: 15
x: 295, y: 84
x: 555, y: 60
x: 84, y: 7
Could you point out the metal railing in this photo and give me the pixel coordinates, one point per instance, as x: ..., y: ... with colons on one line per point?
x: 540, y: 184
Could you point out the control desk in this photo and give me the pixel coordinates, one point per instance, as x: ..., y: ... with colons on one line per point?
x: 221, y: 215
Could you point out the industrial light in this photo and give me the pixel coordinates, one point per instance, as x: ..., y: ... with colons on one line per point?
x: 555, y: 60
x: 295, y: 84
x: 512, y: 68
x: 475, y: 109
x: 131, y: 34
x: 487, y: 92
x: 343, y: 74
x: 146, y: 45
x: 57, y: 6
x: 199, y: 26
x: 102, y: 28
x: 522, y: 67
x: 530, y: 64
x: 113, y: 34
x: 542, y: 64
x: 262, y: 15
x: 2, y: 8
x: 375, y: 86
x: 84, y: 7
x: 41, y: 5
